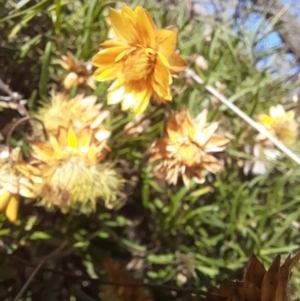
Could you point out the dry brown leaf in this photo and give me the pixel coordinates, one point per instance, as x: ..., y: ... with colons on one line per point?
x: 247, y: 290
x: 258, y: 284
x: 255, y: 271
x: 270, y: 281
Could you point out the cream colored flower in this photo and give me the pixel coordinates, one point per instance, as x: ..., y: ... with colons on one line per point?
x: 186, y: 148
x: 79, y: 74
x: 283, y: 126
x: 81, y: 111
x: 280, y: 124
x: 141, y: 60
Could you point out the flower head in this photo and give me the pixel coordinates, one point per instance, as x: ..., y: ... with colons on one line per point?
x: 141, y: 60
x: 186, y: 148
x: 280, y: 124
x: 262, y: 157
x: 68, y: 163
x: 79, y: 74
x: 13, y: 184
x: 81, y: 111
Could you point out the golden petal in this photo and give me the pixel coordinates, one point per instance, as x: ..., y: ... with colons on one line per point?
x: 140, y: 106
x: 41, y: 151
x: 107, y: 74
x: 145, y: 28
x: 12, y: 208
x: 4, y: 198
x: 176, y: 63
x: 160, y: 82
x: 166, y: 41
x: 123, y: 25
x: 106, y: 58
x: 153, y: 25
x: 55, y: 146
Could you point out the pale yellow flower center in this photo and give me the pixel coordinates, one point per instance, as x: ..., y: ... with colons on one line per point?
x: 188, y: 152
x: 286, y: 131
x: 139, y: 64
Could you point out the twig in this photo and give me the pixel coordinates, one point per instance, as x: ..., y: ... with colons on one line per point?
x: 190, y: 73
x: 38, y: 267
x: 19, y: 106
x: 20, y: 121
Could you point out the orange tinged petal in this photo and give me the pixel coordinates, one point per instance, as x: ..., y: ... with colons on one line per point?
x: 166, y: 41
x: 108, y: 74
x: 107, y: 57
x: 113, y: 44
x: 123, y: 25
x: 145, y: 28
x: 160, y: 83
x: 56, y: 148
x: 176, y: 63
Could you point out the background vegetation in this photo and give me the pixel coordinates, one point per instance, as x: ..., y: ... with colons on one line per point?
x: 164, y: 235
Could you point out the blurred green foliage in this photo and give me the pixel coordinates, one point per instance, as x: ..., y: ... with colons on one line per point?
x: 167, y: 234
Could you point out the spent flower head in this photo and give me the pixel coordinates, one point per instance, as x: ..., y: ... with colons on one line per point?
x: 78, y: 74
x: 186, y: 148
x: 141, y: 60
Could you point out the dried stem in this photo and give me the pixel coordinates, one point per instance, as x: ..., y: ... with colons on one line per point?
x: 190, y: 73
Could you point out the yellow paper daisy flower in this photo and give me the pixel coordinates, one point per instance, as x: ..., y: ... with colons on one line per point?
x: 280, y: 124
x: 140, y: 61
x: 186, y: 148
x: 81, y: 111
x: 69, y: 165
